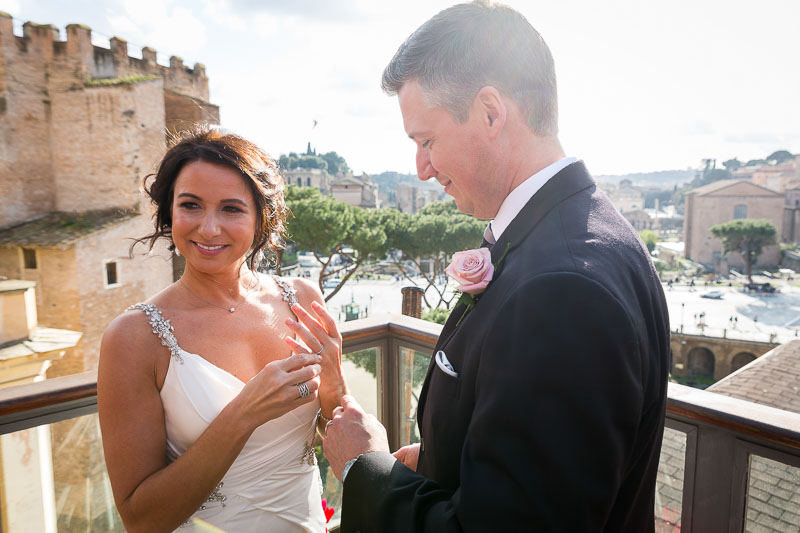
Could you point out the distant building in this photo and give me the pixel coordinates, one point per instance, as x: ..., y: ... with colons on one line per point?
x: 723, y: 201
x: 775, y: 177
x: 411, y: 197
x: 308, y: 177
x: 358, y: 191
x: 626, y: 197
x: 791, y: 213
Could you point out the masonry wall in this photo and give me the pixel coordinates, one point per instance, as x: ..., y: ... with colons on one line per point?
x: 52, y: 119
x: 26, y: 177
x: 182, y: 112
x: 705, y: 211
x: 105, y: 139
x: 140, y: 277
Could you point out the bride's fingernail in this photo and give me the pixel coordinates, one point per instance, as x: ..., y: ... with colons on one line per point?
x: 289, y: 321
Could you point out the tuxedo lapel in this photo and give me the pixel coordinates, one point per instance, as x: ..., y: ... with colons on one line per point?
x: 571, y: 180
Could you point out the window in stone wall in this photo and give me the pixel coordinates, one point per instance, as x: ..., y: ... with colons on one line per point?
x: 740, y: 211
x: 308, y: 181
x: 29, y: 258
x: 111, y: 274
x: 299, y: 182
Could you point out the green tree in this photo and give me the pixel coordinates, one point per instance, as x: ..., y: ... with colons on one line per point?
x: 436, y: 314
x: 747, y: 237
x: 336, y: 163
x: 329, y: 228
x: 650, y: 238
x: 293, y: 161
x: 779, y: 157
x: 732, y: 164
x: 433, y: 235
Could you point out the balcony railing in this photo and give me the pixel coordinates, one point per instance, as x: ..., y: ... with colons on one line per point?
x: 727, y: 465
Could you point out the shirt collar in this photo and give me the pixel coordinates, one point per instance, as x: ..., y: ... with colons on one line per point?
x: 517, y: 198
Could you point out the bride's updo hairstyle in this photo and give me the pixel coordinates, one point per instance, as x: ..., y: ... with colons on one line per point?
x: 215, y: 145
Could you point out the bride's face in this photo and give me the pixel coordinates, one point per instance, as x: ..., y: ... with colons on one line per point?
x: 213, y: 217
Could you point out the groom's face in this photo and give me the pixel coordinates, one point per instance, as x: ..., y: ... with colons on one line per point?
x: 454, y: 153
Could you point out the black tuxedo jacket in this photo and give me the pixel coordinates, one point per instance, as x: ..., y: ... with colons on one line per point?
x: 555, y: 420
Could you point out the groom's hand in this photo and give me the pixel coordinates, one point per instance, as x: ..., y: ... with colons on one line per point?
x: 408, y: 455
x: 352, y: 432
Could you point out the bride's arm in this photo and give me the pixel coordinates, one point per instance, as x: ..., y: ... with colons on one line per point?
x: 150, y: 494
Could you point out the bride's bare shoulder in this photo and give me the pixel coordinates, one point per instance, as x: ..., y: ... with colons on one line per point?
x: 306, y: 291
x: 129, y: 338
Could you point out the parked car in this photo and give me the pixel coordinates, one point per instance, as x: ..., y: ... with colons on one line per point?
x: 713, y: 295
x: 331, y: 283
x: 761, y: 287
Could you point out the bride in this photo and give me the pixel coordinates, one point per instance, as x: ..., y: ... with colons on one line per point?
x: 209, y: 392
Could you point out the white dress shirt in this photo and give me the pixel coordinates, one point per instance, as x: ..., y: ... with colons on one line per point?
x: 517, y: 198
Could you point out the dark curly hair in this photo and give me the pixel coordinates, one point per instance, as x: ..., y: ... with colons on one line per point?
x: 214, y: 145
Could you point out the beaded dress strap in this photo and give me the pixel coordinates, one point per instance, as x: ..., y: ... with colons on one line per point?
x: 162, y: 328
x: 308, y: 455
x: 289, y: 293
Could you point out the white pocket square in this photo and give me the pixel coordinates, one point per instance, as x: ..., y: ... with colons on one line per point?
x: 444, y: 365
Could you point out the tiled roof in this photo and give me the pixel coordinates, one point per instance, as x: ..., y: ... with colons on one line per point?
x: 773, y: 379
x: 60, y: 229
x: 774, y: 488
x: 723, y: 184
x: 41, y: 341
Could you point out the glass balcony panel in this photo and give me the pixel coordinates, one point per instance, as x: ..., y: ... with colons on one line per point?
x: 362, y: 370
x: 54, y: 479
x: 773, y: 496
x: 669, y: 482
x: 413, y: 367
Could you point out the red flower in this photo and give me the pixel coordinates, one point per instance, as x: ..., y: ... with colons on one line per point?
x: 327, y: 510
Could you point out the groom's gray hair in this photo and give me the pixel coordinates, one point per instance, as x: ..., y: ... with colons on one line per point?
x: 469, y: 46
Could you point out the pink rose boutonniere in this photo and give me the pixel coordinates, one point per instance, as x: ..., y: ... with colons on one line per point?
x: 472, y: 270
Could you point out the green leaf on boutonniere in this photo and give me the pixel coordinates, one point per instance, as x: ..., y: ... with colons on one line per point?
x: 471, y: 299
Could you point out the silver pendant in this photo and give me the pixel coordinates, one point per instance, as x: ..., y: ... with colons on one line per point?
x: 232, y: 309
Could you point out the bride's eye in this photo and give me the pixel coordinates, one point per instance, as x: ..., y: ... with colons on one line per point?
x: 188, y: 205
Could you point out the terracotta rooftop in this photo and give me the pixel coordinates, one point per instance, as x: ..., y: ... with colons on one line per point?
x: 774, y: 488
x: 62, y: 229
x: 773, y: 379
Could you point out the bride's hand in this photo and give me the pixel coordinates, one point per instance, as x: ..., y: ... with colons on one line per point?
x: 278, y: 388
x: 320, y: 335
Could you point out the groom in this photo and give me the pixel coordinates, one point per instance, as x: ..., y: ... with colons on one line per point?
x: 543, y: 407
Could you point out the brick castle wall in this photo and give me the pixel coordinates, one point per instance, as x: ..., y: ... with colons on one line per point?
x: 68, y: 145
x: 105, y: 139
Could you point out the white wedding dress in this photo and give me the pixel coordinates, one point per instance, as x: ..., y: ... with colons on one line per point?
x: 274, y: 484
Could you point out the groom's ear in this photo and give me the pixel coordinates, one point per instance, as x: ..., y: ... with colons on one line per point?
x: 492, y: 108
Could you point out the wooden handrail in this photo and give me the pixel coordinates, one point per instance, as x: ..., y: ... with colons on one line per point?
x: 739, y: 416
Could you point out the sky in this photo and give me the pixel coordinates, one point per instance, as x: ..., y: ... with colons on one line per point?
x: 643, y: 86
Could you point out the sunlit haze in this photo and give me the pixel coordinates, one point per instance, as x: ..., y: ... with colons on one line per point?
x: 643, y: 86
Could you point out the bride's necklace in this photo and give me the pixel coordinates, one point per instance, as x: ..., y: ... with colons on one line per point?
x: 229, y: 309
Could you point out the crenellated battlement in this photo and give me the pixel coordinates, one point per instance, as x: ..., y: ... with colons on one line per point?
x: 77, y: 61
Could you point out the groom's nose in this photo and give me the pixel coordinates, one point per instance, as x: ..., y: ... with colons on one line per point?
x: 425, y: 169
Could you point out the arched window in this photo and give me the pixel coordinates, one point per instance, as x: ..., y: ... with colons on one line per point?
x: 308, y: 181
x: 741, y: 359
x: 299, y: 182
x: 740, y: 211
x: 701, y: 363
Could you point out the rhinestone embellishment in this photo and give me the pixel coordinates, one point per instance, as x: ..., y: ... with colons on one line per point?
x: 289, y: 293
x: 162, y: 328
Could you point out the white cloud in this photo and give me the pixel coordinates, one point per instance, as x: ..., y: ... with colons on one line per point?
x: 169, y: 28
